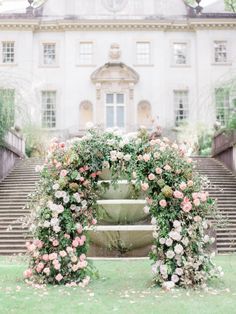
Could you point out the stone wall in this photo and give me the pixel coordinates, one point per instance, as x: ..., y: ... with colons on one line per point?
x: 13, y: 149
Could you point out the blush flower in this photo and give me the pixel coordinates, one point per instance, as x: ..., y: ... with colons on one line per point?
x: 163, y: 203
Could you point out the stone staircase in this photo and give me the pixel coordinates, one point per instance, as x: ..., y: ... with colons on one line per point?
x: 14, y: 190
x: 118, y: 234
x: 223, y: 189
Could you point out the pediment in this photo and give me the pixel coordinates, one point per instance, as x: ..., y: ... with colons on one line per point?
x: 115, y: 72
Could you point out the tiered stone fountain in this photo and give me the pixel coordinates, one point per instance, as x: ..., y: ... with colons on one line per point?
x: 124, y: 230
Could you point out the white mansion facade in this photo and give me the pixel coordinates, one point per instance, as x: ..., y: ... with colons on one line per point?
x: 119, y: 63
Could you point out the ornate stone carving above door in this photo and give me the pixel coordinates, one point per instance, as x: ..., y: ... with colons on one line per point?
x: 114, y: 5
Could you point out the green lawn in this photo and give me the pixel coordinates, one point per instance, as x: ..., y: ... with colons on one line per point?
x: 123, y: 287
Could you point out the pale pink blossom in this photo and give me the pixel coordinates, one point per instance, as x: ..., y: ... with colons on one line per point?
x: 183, y: 186
x: 45, y: 257
x: 178, y: 249
x: 186, y: 207
x: 190, y: 183
x: 46, y: 271
x: 196, y: 202
x: 55, y: 242
x: 151, y: 177
x: 63, y: 173
x: 62, y: 253
x: 167, y: 167
x: 52, y: 256
x: 144, y: 186
x: 28, y: 273
x: 163, y: 203
x: 178, y: 194
x: 146, y: 157
x: 59, y: 277
x: 158, y: 170
x: 170, y: 254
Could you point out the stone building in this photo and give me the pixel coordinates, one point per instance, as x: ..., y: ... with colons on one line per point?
x: 118, y: 63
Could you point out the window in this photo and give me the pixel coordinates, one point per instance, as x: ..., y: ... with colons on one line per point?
x: 86, y: 53
x: 180, y: 53
x: 222, y: 100
x: 220, y: 52
x: 143, y: 53
x: 8, y: 52
x: 181, y: 106
x: 115, y: 110
x: 49, y: 54
x: 7, y: 107
x: 48, y: 109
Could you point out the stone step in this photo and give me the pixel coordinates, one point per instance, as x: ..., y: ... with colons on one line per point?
x: 4, y: 252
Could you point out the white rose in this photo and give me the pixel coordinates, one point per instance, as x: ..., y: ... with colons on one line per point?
x: 169, y: 242
x: 179, y: 271
x: 174, y: 278
x: 127, y: 157
x: 163, y: 269
x: 170, y: 254
x: 162, y: 241
x: 153, y: 221
x: 176, y: 224
x: 178, y: 249
x: 168, y: 285
x: 146, y: 209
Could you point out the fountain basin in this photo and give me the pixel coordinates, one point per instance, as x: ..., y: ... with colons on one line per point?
x: 121, y: 240
x: 121, y: 211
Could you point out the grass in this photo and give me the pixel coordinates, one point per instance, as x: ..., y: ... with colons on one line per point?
x: 123, y: 287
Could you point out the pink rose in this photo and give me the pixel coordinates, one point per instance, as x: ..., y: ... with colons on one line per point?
x: 163, y: 203
x: 167, y: 167
x: 59, y: 277
x: 151, y: 177
x: 67, y: 236
x: 75, y: 243
x: 94, y: 221
x: 69, y: 249
x: 190, y: 183
x: 82, y: 257
x: 38, y: 243
x: 158, y: 170
x: 79, y: 229
x: 62, y: 253
x: 186, y: 207
x: 52, y: 256
x: 196, y: 202
x: 55, y: 243
x: 203, y: 197
x: 28, y: 273
x: 45, y: 257
x: 46, y: 271
x: 140, y: 157
x: 146, y: 157
x: 183, y: 186
x: 178, y: 194
x: 63, y: 173
x: 144, y: 186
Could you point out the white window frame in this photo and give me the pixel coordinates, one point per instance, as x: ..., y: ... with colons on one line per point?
x: 1, y: 51
x: 140, y: 41
x: 45, y: 109
x: 79, y: 62
x: 114, y: 105
x: 172, y: 46
x: 57, y: 50
x: 227, y: 44
x: 226, y: 108
x: 185, y: 108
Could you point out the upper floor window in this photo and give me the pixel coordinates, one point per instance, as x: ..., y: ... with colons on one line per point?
x: 8, y: 52
x: 143, y: 53
x: 49, y: 54
x: 86, y: 53
x: 181, y: 106
x: 222, y: 100
x: 180, y: 53
x: 220, y: 52
x: 48, y: 109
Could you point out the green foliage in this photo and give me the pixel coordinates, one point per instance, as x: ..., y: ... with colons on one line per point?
x: 230, y: 5
x: 7, y: 111
x: 36, y: 140
x: 205, y: 142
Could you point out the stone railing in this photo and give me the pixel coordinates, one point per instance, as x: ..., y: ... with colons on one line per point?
x: 224, y: 148
x: 13, y: 148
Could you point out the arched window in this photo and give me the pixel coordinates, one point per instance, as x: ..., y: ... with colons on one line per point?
x: 85, y: 114
x: 144, y: 114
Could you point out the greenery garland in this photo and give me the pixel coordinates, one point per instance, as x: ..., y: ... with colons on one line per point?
x: 66, y: 208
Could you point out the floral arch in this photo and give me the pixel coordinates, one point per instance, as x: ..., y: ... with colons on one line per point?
x: 66, y: 208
